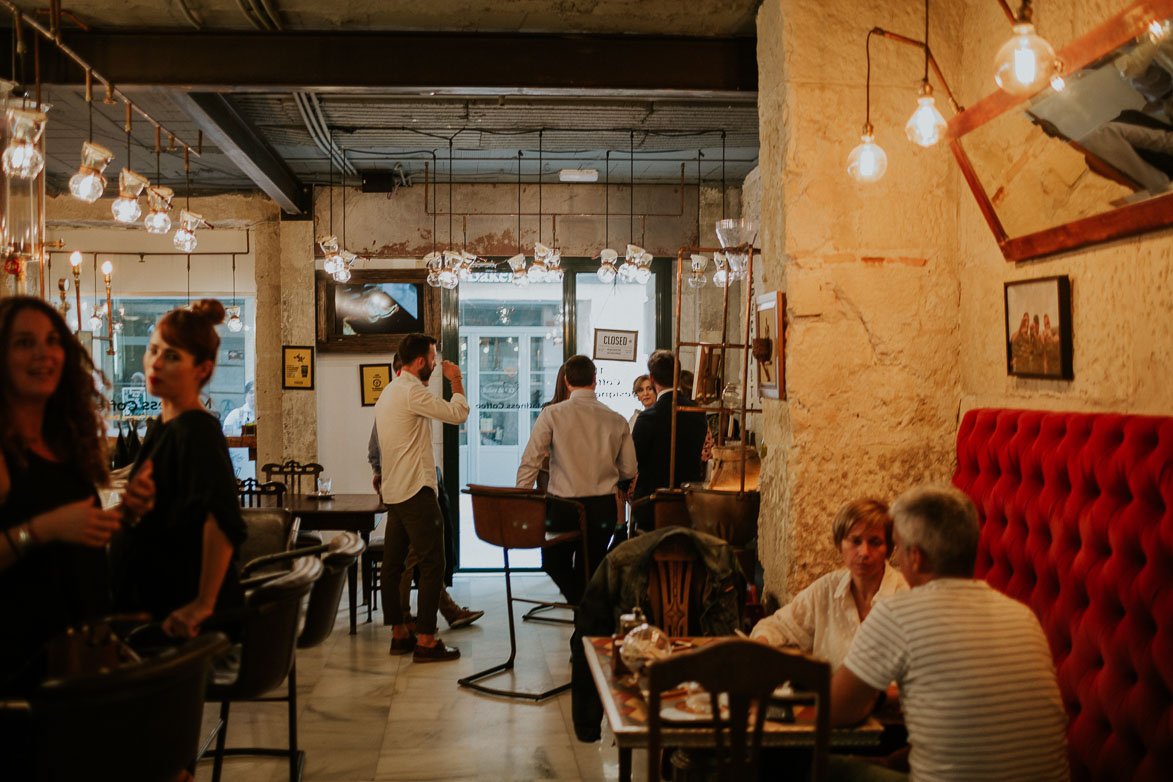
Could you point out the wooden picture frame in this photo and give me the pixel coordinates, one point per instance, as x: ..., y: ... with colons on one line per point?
x: 708, y: 375
x: 297, y: 367
x: 371, y: 312
x: 1035, y: 345
x: 372, y: 380
x: 769, y: 345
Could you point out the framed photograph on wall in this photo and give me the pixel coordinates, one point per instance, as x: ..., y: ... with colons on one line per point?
x: 1038, y: 328
x: 297, y: 367
x: 372, y: 311
x: 373, y: 378
x: 769, y: 345
x: 708, y: 375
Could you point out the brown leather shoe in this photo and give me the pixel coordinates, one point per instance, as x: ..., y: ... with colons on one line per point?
x: 463, y: 618
x: 438, y: 653
x: 403, y: 645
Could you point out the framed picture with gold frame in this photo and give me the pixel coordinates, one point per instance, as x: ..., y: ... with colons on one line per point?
x: 297, y: 367
x: 373, y: 378
x: 769, y: 345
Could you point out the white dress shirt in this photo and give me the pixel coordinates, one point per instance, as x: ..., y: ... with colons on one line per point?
x: 403, y: 419
x: 822, y: 619
x: 589, y: 445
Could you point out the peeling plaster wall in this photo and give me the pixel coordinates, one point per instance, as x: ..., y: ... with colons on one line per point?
x: 870, y: 273
x: 1122, y: 292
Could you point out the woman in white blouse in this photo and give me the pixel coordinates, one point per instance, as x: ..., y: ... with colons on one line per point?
x: 822, y: 619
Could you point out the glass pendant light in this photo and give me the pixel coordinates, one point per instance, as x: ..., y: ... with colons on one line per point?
x: 606, y: 272
x: 235, y: 324
x: 1026, y: 62
x: 628, y: 270
x: 432, y: 262
x: 23, y: 159
x: 721, y: 276
x: 329, y: 245
x: 554, y: 271
x: 158, y: 221
x: 88, y: 184
x: 126, y: 208
x: 926, y: 123
x: 697, y: 278
x: 868, y: 161
x: 517, y: 264
x: 185, y: 235
x: 537, y: 270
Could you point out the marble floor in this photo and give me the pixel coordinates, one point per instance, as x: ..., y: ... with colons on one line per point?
x: 365, y: 715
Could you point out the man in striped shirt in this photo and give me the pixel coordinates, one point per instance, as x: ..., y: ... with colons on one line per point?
x: 977, y: 684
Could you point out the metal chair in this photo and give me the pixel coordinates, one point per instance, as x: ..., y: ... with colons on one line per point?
x: 253, y: 494
x: 747, y: 672
x: 320, y: 614
x: 136, y: 721
x: 291, y: 473
x: 271, y: 624
x: 516, y: 519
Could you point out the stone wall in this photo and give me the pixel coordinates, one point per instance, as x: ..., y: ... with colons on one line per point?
x: 870, y: 272
x: 1122, y: 292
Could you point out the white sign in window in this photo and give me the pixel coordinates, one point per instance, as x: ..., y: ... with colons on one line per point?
x: 615, y: 345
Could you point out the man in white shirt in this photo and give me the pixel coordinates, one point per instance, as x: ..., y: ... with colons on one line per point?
x: 976, y: 677
x: 590, y: 454
x: 403, y: 418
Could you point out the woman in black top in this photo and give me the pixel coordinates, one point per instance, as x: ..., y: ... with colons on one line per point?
x: 178, y: 562
x: 52, y: 456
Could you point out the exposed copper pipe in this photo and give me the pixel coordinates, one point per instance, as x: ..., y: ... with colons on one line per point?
x: 19, y: 17
x: 932, y: 61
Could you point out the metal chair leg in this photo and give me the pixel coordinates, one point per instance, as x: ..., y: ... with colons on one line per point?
x: 471, y: 680
x: 218, y: 762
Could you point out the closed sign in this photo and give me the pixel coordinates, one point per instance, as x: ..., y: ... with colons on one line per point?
x: 615, y: 345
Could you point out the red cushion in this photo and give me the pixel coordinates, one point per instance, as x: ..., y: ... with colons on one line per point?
x: 1077, y: 522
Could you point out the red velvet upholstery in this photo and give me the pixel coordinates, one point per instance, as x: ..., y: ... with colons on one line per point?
x: 1077, y: 522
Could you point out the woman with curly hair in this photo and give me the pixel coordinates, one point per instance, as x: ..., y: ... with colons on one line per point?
x: 178, y: 563
x: 52, y: 458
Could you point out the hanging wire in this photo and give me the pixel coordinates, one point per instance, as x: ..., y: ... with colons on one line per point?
x: 128, y: 127
x: 234, y: 279
x: 451, y: 160
x: 631, y: 188
x: 607, y: 203
x: 699, y: 155
x: 158, y: 155
x: 187, y: 179
x: 926, y: 76
x: 342, y: 176
x: 867, y: 47
x: 519, y: 201
x: 330, y: 180
x: 90, y: 100
x: 722, y: 175
x: 540, y: 164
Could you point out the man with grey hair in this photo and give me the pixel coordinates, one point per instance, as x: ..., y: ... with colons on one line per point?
x: 977, y: 684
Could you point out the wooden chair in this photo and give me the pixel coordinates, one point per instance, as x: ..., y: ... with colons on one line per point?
x: 668, y: 508
x: 747, y: 672
x: 292, y: 472
x: 254, y: 494
x: 516, y: 519
x: 671, y: 585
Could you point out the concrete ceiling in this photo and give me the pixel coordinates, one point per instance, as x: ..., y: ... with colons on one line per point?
x: 287, y: 92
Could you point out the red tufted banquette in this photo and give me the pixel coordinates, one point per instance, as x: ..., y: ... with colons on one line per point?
x: 1077, y: 522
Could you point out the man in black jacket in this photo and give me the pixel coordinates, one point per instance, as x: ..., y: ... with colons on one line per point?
x: 652, y: 435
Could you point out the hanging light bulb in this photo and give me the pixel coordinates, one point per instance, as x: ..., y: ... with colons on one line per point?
x: 22, y: 159
x: 643, y: 271
x: 926, y: 123
x: 185, y: 236
x: 329, y: 245
x: 234, y: 323
x: 467, y: 260
x: 629, y: 268
x: 107, y: 268
x: 126, y: 208
x: 721, y: 275
x: 88, y: 184
x: 450, y: 273
x: 537, y: 271
x: 1026, y: 62
x: 517, y: 264
x: 697, y: 278
x: 607, y: 272
x: 554, y: 271
x: 158, y: 221
x: 96, y: 318
x: 342, y: 275
x: 868, y: 161
x: 432, y: 262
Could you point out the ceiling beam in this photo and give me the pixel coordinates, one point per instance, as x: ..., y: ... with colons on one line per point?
x: 418, y: 62
x: 223, y: 124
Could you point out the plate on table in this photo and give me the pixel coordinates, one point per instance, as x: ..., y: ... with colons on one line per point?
x: 320, y: 496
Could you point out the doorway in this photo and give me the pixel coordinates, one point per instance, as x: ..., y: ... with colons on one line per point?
x: 510, y: 341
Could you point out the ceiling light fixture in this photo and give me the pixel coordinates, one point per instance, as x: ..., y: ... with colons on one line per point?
x: 88, y: 184
x: 607, y: 257
x: 578, y: 175
x: 235, y: 324
x: 158, y: 220
x: 185, y: 235
x: 1026, y: 62
x: 126, y: 208
x: 868, y: 161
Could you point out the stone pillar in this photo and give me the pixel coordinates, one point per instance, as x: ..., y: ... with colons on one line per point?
x: 295, y: 323
x: 870, y: 273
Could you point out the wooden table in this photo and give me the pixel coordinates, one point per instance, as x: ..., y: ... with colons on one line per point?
x: 626, y: 711
x: 346, y: 512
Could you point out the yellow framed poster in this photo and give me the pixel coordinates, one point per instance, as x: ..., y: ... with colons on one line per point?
x: 373, y: 378
x: 297, y: 367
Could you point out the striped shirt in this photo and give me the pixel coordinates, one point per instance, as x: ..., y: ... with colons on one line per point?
x: 977, y: 684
